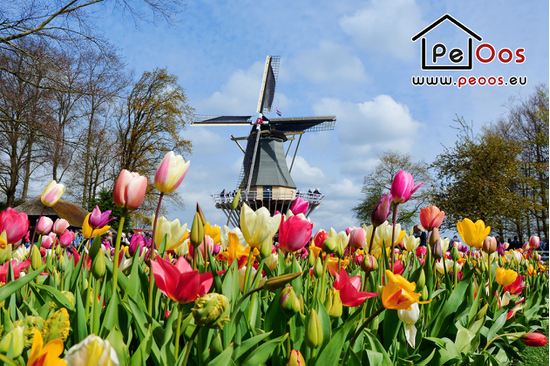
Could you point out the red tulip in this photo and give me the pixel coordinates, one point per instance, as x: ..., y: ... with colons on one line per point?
x: 431, y: 217
x: 44, y: 225
x: 516, y: 287
x: 17, y: 268
x: 294, y: 233
x: 59, y: 226
x: 66, y: 238
x: 320, y: 238
x: 350, y: 289
x: 299, y: 206
x: 179, y: 282
x: 403, y: 187
x: 421, y: 251
x: 15, y: 224
x: 357, y: 237
x: 398, y: 267
x: 534, y: 339
x: 129, y: 190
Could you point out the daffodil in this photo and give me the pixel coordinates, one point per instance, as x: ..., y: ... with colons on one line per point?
x: 473, y: 234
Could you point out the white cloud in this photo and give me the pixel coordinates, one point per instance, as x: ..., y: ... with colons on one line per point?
x: 330, y: 63
x: 386, y: 26
x: 305, y: 175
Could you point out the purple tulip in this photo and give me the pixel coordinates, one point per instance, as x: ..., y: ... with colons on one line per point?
x: 382, y: 210
x: 98, y: 220
x: 137, y: 241
x: 403, y: 187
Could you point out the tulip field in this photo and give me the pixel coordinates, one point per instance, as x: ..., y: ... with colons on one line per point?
x: 275, y: 291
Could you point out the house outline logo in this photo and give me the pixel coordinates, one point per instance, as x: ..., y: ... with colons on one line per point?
x: 455, y: 55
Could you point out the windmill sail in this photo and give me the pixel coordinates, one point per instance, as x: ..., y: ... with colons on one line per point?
x: 267, y: 92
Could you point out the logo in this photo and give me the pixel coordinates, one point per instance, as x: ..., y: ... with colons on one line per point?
x: 437, y: 55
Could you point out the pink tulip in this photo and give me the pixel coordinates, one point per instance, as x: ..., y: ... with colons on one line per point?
x: 52, y: 193
x: 137, y: 242
x: 98, y: 219
x: 15, y: 224
x: 59, y: 226
x: 66, y: 238
x: 294, y: 233
x: 357, y: 237
x: 129, y: 190
x: 179, y: 282
x: 299, y: 206
x: 44, y: 225
x: 403, y: 187
x: 381, y: 211
x: 17, y: 268
x: 48, y: 240
x: 170, y: 173
x: 350, y: 289
x: 534, y: 242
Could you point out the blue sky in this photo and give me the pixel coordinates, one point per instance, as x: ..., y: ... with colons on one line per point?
x: 352, y: 59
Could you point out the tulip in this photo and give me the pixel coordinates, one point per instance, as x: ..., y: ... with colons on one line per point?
x: 399, y: 293
x: 98, y: 220
x: 170, y: 173
x: 136, y: 243
x: 534, y: 242
x: 289, y: 302
x: 431, y: 217
x: 515, y: 287
x: 59, y: 226
x: 473, y: 234
x: 197, y: 230
x: 15, y: 224
x: 350, y: 289
x: 421, y: 252
x: 277, y: 282
x: 253, y: 271
x: 314, y: 330
x: 341, y: 241
x: 207, y: 243
x: 410, y: 317
x: 534, y: 339
x: 44, y: 225
x: 129, y: 190
x: 52, y: 193
x: 333, y: 303
x: 98, y: 265
x: 369, y: 263
x: 411, y: 243
x: 47, y: 241
x: 299, y: 206
x: 88, y: 231
x: 294, y: 233
x: 15, y: 340
x: 48, y: 354
x: 382, y: 210
x: 179, y: 282
x: 320, y: 238
x: 92, y: 351
x: 212, y: 311
x: 296, y: 359
x: 489, y: 245
x: 505, y: 277
x: 357, y: 237
x: 236, y: 251
x: 258, y: 226
x: 403, y: 187
x: 175, y: 233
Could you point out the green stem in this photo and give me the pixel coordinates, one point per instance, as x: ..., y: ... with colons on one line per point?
x: 189, y: 345
x: 88, y: 292
x: 152, y: 257
x: 34, y: 232
x: 95, y: 299
x: 455, y: 275
x: 500, y: 336
x: 361, y: 328
x: 178, y: 331
x: 117, y: 250
x: 247, y: 273
x: 8, y: 361
x: 246, y: 295
x: 325, y: 265
x: 393, y: 236
x: 489, y: 273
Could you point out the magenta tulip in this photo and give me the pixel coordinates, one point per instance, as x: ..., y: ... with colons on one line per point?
x: 294, y: 233
x: 357, y: 237
x: 15, y: 224
x: 299, y: 206
x: 66, y: 238
x: 381, y: 211
x: 403, y: 187
x: 350, y: 289
x: 179, y: 282
x: 136, y: 243
x: 129, y: 190
x: 98, y: 219
x: 60, y: 226
x: 44, y: 225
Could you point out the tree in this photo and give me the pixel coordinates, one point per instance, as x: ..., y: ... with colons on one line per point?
x: 379, y: 181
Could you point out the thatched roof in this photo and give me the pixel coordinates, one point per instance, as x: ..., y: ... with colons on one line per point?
x: 72, y: 212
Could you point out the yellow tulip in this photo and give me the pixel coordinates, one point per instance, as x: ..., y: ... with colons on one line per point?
x: 87, y: 229
x: 505, y: 277
x: 473, y: 234
x: 399, y: 293
x: 213, y: 232
x: 175, y: 232
x: 48, y: 354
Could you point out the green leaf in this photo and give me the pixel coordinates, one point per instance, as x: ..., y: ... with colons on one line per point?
x: 117, y: 342
x: 142, y: 353
x: 497, y: 325
x: 7, y: 290
x: 79, y: 321
x: 376, y: 346
x: 249, y: 343
x: 263, y: 353
x: 390, y: 327
x: 56, y: 295
x: 330, y: 354
x: 224, y: 358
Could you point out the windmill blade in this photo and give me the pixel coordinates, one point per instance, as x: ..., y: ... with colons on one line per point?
x: 269, y: 82
x: 222, y: 120
x: 307, y: 124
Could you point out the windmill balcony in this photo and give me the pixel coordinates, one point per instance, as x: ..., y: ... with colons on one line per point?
x: 274, y: 201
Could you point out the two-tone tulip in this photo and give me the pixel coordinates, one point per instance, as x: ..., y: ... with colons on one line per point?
x: 170, y: 173
x: 60, y: 226
x: 52, y: 193
x: 98, y: 219
x: 44, y: 225
x: 382, y: 210
x: 129, y: 190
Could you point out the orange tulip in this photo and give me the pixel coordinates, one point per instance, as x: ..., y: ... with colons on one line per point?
x: 399, y: 293
x: 431, y: 217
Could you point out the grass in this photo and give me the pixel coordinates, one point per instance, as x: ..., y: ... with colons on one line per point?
x: 534, y: 356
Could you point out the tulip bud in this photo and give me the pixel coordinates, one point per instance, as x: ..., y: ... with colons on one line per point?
x: 277, y: 282
x: 534, y: 339
x: 481, y: 313
x: 318, y: 269
x: 536, y: 256
x: 197, y: 231
x: 314, y: 331
x: 421, y: 282
x: 98, y: 265
x: 501, y: 261
x: 61, y: 263
x: 267, y: 247
x: 490, y: 245
x: 36, y: 258
x: 425, y: 294
x: 212, y: 311
x: 382, y: 210
x: 369, y: 264
x: 330, y: 245
x: 434, y: 236
x: 437, y: 252
x: 13, y: 340
x: 455, y: 255
x: 333, y: 303
x: 296, y: 359
x: 201, y: 214
x: 311, y: 258
x: 235, y: 202
x: 290, y: 304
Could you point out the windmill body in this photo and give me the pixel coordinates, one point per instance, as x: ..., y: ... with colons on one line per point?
x: 265, y: 179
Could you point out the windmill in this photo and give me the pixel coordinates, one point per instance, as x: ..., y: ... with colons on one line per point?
x: 265, y: 179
